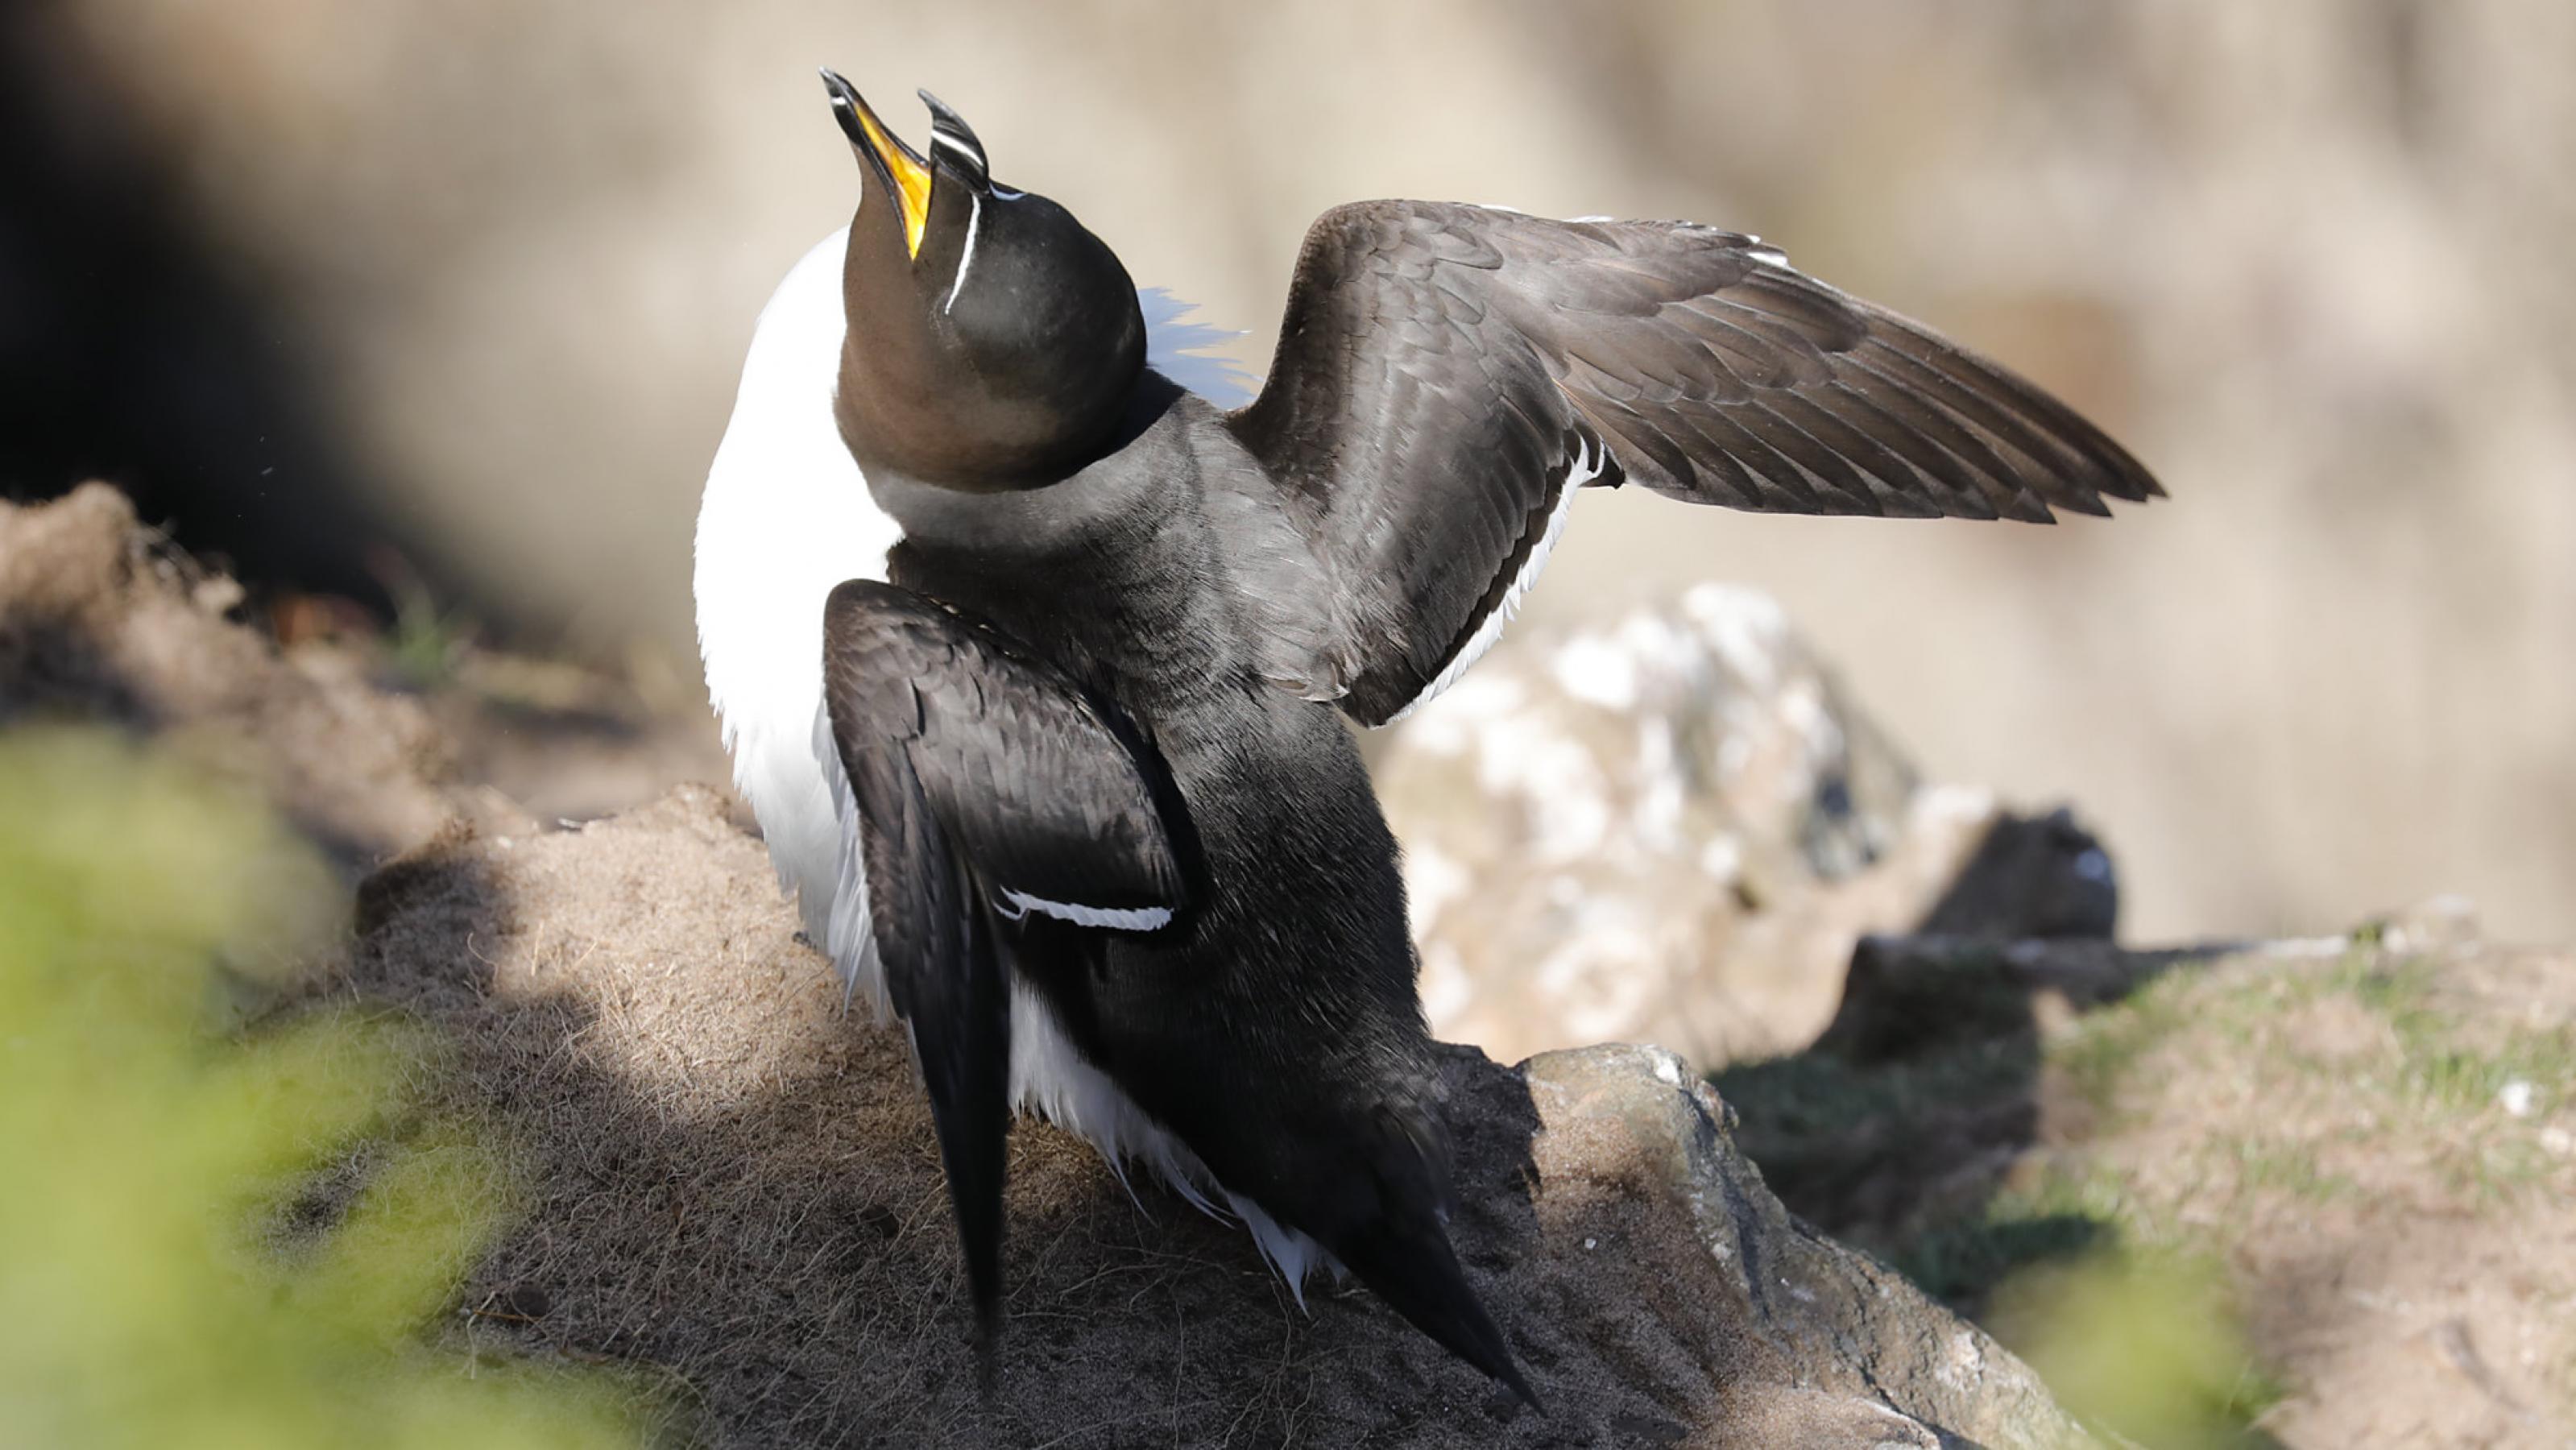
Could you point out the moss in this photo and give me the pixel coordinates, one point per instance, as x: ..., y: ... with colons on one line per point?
x: 2285, y: 1167
x: 427, y: 644
x: 1831, y: 1134
x: 2095, y: 1055
x: 2144, y: 1345
x: 1960, y: 1262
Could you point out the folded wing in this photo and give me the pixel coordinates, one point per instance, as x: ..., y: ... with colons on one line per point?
x: 1447, y: 375
x: 986, y: 785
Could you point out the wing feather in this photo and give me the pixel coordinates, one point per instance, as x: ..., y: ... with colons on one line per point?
x: 984, y: 785
x: 1441, y: 368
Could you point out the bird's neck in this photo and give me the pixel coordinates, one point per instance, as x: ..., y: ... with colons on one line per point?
x: 1126, y: 476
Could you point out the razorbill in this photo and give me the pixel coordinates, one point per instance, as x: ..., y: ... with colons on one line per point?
x: 1034, y: 658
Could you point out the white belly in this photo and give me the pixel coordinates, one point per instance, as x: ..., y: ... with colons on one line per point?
x: 786, y: 517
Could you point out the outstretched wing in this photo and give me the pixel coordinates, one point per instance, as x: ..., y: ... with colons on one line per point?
x: 1448, y: 375
x: 986, y: 785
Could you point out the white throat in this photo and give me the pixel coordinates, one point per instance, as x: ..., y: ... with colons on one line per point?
x: 786, y: 516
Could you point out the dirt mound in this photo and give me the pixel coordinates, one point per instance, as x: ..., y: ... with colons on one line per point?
x: 371, y: 743
x: 730, y: 1179
x: 2367, y: 1142
x: 99, y: 617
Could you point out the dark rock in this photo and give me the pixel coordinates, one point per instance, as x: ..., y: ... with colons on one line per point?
x: 1905, y: 992
x: 2032, y: 876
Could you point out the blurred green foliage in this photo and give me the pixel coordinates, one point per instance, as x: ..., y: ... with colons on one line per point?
x: 167, y: 1276
x: 2143, y: 1344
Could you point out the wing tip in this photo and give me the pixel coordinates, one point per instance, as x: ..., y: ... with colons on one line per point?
x: 2115, y: 477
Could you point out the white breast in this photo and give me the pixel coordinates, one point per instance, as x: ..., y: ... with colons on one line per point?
x: 787, y: 516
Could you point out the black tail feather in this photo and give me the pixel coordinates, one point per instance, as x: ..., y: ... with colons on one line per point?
x: 961, y: 1031
x: 1413, y: 1268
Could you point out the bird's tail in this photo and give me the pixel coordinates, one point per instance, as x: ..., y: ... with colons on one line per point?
x: 1390, y: 1233
x: 1406, y: 1259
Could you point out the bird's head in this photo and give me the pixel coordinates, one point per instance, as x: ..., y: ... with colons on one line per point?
x: 993, y: 341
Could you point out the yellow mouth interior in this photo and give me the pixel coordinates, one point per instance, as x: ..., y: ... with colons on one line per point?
x: 911, y: 182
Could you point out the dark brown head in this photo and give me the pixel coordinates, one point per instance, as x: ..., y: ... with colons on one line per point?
x: 993, y: 341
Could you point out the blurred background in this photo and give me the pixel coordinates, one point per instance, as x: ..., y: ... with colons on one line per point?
x: 379, y: 298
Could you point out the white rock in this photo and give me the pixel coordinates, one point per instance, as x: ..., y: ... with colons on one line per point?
x: 2515, y: 1097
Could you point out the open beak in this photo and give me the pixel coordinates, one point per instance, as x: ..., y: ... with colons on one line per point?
x: 905, y: 174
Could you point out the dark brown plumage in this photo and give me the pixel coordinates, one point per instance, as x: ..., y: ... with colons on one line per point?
x: 1440, y: 365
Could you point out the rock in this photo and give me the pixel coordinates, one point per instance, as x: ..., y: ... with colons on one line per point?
x: 2032, y: 877
x: 1905, y: 992
x: 729, y: 1180
x: 1630, y: 1127
x: 1674, y: 827
x: 2439, y: 923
